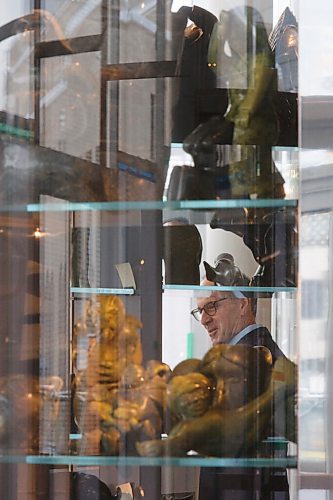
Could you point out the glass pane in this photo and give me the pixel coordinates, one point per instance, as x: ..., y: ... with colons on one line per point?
x: 146, y: 148
x: 70, y: 98
x: 143, y: 33
x: 13, y: 10
x: 137, y: 130
x: 237, y: 86
x: 17, y: 98
x: 316, y: 253
x: 69, y: 19
x: 315, y: 309
x: 140, y: 128
x: 319, y: 68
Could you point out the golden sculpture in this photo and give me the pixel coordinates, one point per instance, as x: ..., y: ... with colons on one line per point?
x: 117, y: 400
x: 220, y: 405
x: 232, y: 432
x: 189, y: 395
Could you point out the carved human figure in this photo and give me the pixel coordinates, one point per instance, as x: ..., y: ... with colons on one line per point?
x: 189, y: 396
x: 234, y: 432
x: 137, y: 411
x: 231, y: 376
x: 106, y: 346
x: 130, y: 341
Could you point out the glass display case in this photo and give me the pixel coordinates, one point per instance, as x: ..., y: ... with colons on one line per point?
x: 149, y: 204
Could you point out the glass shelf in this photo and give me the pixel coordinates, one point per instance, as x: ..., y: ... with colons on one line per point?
x: 117, y: 206
x: 252, y: 289
x: 77, y: 291
x: 179, y: 145
x: 101, y: 291
x: 289, y: 462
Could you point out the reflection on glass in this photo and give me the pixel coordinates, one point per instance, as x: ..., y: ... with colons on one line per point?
x: 67, y: 19
x: 238, y: 70
x: 70, y: 105
x: 16, y: 98
x: 139, y: 26
x: 12, y: 10
x: 314, y: 341
x: 137, y: 130
x: 140, y: 127
x: 249, y: 66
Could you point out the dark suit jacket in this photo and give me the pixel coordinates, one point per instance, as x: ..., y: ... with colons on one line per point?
x: 262, y: 337
x: 244, y: 484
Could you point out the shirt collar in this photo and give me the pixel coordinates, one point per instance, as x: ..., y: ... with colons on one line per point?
x: 240, y: 335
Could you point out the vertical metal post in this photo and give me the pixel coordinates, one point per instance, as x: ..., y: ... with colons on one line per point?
x: 152, y: 308
x: 103, y: 83
x: 159, y: 125
x: 113, y: 97
x: 37, y: 75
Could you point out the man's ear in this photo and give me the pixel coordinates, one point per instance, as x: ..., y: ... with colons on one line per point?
x: 245, y: 304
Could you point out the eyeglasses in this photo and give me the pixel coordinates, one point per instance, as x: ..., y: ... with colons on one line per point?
x: 210, y: 308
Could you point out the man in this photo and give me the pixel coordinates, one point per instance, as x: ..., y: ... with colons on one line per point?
x: 229, y: 318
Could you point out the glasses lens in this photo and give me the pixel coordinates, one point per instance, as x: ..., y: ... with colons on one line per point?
x: 197, y: 314
x: 210, y: 308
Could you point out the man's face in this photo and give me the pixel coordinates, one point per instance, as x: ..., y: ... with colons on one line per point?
x: 227, y: 320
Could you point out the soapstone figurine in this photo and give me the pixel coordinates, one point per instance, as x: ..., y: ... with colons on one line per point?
x: 225, y: 272
x: 117, y: 400
x: 272, y: 237
x: 157, y: 371
x: 186, y: 366
x: 235, y: 432
x: 89, y: 487
x: 240, y: 373
x: 250, y: 77
x: 189, y: 395
x: 135, y: 414
x: 250, y: 121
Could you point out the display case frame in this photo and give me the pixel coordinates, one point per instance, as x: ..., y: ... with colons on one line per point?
x: 133, y: 198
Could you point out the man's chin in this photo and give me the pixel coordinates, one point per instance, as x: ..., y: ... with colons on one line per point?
x: 214, y: 340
